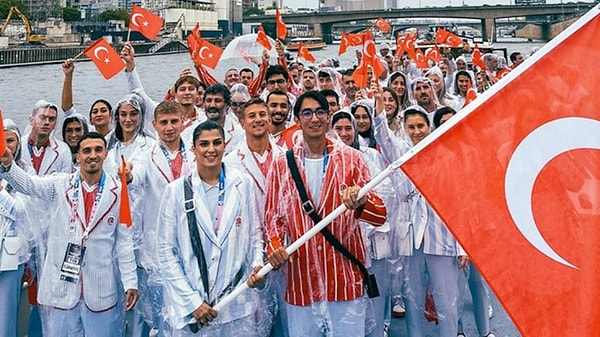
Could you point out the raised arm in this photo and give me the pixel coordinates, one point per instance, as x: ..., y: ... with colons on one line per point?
x: 66, y: 100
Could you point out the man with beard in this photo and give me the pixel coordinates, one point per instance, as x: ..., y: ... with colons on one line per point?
x: 254, y: 158
x: 83, y: 240
x: 278, y: 106
x: 350, y: 88
x: 425, y: 96
x: 309, y: 80
x: 217, y: 100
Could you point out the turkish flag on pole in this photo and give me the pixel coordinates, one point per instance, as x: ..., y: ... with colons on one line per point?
x: 421, y: 61
x: 370, y: 54
x: 449, y: 38
x: 124, y: 208
x: 196, y: 31
x: 477, y: 58
x: 105, y: 58
x: 344, y: 43
x: 305, y: 53
x: 145, y: 22
x: 207, y: 53
x: 361, y: 75
x: 281, y: 27
x: 383, y: 25
x: 434, y: 54
x: 262, y: 38
x: 523, y: 194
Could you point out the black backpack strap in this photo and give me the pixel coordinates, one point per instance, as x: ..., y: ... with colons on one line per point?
x: 193, y: 229
x: 308, y: 208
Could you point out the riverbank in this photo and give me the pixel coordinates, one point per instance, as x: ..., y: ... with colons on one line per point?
x: 19, y: 56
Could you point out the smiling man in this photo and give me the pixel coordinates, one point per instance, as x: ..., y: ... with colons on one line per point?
x: 84, y: 241
x: 324, y: 289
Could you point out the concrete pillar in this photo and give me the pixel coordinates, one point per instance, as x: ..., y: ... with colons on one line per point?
x: 546, y: 31
x: 326, y: 32
x: 317, y: 30
x: 487, y: 29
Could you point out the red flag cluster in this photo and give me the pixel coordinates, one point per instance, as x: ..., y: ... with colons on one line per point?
x: 145, y: 22
x: 105, y: 58
x: 201, y: 50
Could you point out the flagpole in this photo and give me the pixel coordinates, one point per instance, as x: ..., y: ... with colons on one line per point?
x: 128, y: 34
x: 79, y: 55
x: 393, y: 167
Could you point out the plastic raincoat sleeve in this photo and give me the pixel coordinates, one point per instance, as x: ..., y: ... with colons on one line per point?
x: 180, y: 292
x: 392, y: 147
x: 134, y: 85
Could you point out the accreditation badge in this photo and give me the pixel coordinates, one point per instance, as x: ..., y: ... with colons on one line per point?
x: 71, y: 266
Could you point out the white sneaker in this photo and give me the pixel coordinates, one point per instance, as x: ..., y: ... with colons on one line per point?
x: 490, y: 335
x: 398, y: 309
x: 153, y: 332
x: 490, y: 314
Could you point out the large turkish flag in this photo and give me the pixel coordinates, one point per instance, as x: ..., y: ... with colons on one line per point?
x: 516, y: 177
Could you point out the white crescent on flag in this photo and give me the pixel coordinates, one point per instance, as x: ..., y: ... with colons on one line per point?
x: 356, y: 40
x: 134, y: 17
x: 98, y: 50
x: 370, y: 49
x: 529, y: 158
x: 201, y: 53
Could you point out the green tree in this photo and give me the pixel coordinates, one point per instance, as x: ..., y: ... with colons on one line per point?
x: 115, y: 14
x: 5, y: 6
x: 253, y: 11
x: 71, y: 14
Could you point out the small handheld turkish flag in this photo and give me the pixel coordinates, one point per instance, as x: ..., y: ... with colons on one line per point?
x: 262, y: 38
x: 124, y: 207
x: 281, y: 27
x: 383, y: 25
x: 145, y: 22
x: 2, y: 137
x: 305, y: 53
x: 105, y: 58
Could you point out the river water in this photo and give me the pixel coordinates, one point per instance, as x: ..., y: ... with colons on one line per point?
x: 21, y: 87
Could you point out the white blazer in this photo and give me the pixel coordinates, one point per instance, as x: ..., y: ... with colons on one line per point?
x: 56, y: 159
x: 237, y: 246
x: 242, y: 159
x: 108, y: 258
x: 151, y: 175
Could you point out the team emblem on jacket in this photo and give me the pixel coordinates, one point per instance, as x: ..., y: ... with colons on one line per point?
x: 111, y: 220
x: 238, y: 221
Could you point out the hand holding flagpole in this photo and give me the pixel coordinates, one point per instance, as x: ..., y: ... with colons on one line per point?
x: 393, y: 167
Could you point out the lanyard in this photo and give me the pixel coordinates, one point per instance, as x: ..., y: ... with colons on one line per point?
x: 221, y: 200
x: 325, y: 161
x: 74, y: 204
x: 184, y: 167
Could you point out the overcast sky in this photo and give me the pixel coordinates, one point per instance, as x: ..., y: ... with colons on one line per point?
x: 415, y: 3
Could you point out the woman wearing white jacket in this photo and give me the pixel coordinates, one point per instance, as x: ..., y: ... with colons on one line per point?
x: 433, y: 256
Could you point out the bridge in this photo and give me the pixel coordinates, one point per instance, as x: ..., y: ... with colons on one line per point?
x: 322, y: 22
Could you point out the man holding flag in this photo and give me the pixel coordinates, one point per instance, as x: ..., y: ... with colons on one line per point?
x: 325, y: 287
x: 85, y: 245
